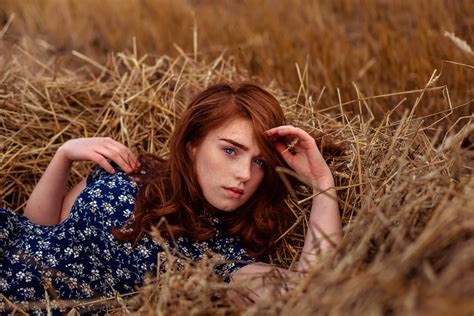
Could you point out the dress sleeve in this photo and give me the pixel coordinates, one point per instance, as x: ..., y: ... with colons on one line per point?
x: 234, y: 258
x: 9, y: 226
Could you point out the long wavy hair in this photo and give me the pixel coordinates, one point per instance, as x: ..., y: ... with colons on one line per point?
x: 169, y: 188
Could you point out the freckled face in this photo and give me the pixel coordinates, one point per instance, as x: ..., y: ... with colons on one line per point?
x: 228, y: 165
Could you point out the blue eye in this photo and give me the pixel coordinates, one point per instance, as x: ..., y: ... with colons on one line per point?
x: 229, y: 151
x: 260, y: 162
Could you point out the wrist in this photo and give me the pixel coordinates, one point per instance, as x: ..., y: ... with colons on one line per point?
x: 61, y: 155
x: 323, y: 182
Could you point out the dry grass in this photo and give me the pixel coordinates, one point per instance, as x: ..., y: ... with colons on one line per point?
x: 407, y: 204
x: 405, y: 180
x: 377, y: 46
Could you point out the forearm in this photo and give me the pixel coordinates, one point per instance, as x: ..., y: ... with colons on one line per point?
x: 45, y: 202
x: 324, y: 229
x: 259, y: 281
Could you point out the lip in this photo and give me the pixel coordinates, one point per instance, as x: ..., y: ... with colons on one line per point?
x: 234, y: 193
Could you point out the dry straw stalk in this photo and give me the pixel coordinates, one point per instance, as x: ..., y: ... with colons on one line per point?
x: 405, y: 194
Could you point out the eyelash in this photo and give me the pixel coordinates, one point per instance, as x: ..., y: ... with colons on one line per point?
x: 261, y: 164
x: 226, y: 149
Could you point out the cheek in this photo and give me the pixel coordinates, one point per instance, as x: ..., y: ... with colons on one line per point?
x: 202, y: 174
x: 209, y: 164
x: 258, y: 178
x: 207, y: 168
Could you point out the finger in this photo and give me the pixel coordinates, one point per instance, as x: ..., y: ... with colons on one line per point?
x: 132, y: 160
x: 284, y: 152
x: 129, y: 157
x: 275, y: 130
x: 285, y: 130
x: 126, y: 159
x: 278, y: 135
x: 290, y: 133
x: 125, y: 151
x: 103, y: 162
x: 120, y: 155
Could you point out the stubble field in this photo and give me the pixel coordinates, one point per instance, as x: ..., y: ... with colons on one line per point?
x: 385, y: 86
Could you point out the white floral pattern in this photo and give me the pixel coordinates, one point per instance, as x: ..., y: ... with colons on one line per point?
x: 80, y: 258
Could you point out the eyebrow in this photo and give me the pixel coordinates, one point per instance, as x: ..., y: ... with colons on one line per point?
x: 233, y: 142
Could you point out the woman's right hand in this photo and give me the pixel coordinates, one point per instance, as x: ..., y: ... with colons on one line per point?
x: 100, y: 150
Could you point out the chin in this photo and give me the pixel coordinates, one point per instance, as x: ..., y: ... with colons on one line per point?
x: 225, y: 208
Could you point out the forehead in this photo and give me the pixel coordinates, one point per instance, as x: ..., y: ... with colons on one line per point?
x: 239, y: 130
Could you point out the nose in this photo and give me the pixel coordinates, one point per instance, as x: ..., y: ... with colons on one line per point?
x: 243, y: 171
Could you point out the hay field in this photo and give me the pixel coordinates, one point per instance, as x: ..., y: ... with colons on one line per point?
x: 378, y: 46
x: 401, y: 132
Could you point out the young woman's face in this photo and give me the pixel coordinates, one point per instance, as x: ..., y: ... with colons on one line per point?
x: 228, y: 165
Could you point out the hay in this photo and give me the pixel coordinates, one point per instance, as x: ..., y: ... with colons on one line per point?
x: 380, y: 46
x: 405, y: 193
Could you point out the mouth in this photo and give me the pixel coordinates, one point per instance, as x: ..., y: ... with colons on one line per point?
x: 234, y: 193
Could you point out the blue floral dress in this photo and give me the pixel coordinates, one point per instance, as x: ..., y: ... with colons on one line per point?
x: 81, y: 259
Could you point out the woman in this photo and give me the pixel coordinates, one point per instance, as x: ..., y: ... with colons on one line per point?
x: 218, y: 191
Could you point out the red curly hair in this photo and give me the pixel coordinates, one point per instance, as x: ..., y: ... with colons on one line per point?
x: 170, y: 189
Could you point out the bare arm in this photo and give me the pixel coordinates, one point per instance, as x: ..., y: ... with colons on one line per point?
x: 259, y: 281
x: 45, y: 202
x: 49, y: 203
x: 69, y: 199
x: 324, y: 229
x: 324, y: 232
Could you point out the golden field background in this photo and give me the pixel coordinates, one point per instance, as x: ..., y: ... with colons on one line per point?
x: 365, y: 82
x: 380, y: 47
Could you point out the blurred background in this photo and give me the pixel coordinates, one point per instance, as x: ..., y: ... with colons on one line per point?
x: 375, y: 47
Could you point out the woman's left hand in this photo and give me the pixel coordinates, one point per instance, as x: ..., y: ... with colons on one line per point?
x: 306, y: 159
